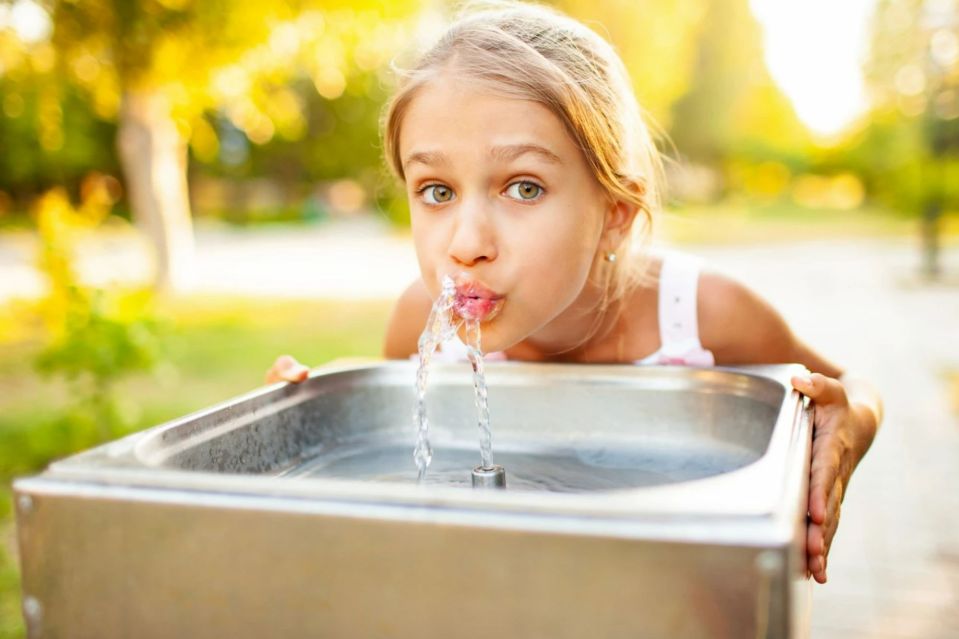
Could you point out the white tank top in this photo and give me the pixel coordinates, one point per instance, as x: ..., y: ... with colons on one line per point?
x: 678, y: 323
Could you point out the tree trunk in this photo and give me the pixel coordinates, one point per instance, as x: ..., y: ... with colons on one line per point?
x: 154, y: 159
x: 931, y: 213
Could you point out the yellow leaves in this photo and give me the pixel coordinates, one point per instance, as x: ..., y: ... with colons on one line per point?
x: 843, y: 192
x: 58, y: 220
x: 50, y: 119
x: 86, y: 68
x: 99, y: 192
x: 43, y: 58
x: 656, y: 40
x: 329, y: 82
x: 59, y: 223
x: 286, y: 110
x: 170, y: 59
x: 61, y: 226
x: 174, y: 5
x: 767, y: 180
x: 230, y: 83
x: 13, y: 105
x: 257, y: 126
x: 772, y: 181
x: 285, y: 40
x: 203, y: 141
x: 106, y: 96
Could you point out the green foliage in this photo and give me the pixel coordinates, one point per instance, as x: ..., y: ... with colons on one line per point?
x: 99, y: 345
x: 96, y: 349
x: 95, y: 337
x: 49, y: 134
x: 296, y: 85
x: 733, y: 110
x: 655, y: 38
x: 908, y: 152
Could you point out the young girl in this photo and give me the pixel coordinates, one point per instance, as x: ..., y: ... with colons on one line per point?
x: 526, y: 163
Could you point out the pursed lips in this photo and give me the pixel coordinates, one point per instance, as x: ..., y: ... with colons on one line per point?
x: 476, y: 301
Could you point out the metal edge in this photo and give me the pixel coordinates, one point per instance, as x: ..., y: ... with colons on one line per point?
x: 627, y: 504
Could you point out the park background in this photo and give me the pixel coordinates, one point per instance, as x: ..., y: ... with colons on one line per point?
x: 189, y: 188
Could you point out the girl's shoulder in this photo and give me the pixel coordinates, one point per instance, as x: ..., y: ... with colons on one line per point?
x: 695, y: 302
x: 741, y: 327
x: 737, y: 324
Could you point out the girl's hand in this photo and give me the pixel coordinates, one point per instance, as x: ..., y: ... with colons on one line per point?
x: 286, y: 369
x: 837, y: 428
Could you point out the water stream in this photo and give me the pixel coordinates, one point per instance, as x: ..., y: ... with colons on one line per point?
x: 440, y: 327
x: 475, y: 355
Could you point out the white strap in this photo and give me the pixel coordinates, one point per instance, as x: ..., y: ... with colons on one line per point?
x: 678, y: 285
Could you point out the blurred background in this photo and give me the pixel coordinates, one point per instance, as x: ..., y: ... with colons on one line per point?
x: 189, y: 188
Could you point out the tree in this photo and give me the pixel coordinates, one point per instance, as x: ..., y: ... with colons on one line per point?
x: 733, y: 106
x: 910, y: 151
x: 160, y: 67
x: 656, y: 40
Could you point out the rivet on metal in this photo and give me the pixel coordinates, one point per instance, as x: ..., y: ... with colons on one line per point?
x: 32, y: 609
x: 768, y: 562
x: 25, y: 502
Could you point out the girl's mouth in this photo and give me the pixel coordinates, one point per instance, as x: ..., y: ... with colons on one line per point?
x: 476, y: 301
x: 478, y: 308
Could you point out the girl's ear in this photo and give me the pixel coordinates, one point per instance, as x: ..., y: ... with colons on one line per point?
x: 620, y: 216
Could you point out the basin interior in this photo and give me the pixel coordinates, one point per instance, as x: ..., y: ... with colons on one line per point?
x: 596, y: 430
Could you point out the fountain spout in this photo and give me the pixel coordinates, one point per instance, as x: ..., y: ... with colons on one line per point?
x: 492, y: 477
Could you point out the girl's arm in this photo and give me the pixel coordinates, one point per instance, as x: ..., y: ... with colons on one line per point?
x: 739, y: 327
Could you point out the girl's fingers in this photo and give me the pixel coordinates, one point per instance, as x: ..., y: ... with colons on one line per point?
x: 832, y: 515
x: 815, y: 541
x: 816, y: 551
x: 819, y: 535
x: 286, y: 369
x: 821, y: 389
x: 824, y: 473
x: 819, y: 570
x: 297, y: 374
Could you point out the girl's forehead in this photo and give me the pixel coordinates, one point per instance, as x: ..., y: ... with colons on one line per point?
x: 452, y: 116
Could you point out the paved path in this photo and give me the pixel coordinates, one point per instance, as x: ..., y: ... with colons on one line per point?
x: 894, y: 566
x: 353, y: 259
x: 894, y: 570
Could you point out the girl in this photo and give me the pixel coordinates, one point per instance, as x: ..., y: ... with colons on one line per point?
x: 527, y: 164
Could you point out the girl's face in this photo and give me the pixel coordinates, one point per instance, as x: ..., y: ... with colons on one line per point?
x: 502, y: 199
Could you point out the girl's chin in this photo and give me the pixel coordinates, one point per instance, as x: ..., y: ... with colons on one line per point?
x: 492, y: 338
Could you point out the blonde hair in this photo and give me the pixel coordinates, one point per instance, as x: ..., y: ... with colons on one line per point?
x: 535, y: 53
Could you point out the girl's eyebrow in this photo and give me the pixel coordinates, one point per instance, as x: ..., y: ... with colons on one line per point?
x: 429, y: 158
x: 504, y: 153
x: 510, y: 152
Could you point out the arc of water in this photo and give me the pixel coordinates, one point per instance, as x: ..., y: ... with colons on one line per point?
x: 439, y: 328
x: 475, y: 355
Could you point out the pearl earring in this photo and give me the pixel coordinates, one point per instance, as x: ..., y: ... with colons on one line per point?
x: 610, y: 256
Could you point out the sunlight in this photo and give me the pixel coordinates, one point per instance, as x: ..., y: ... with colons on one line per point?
x: 814, y: 51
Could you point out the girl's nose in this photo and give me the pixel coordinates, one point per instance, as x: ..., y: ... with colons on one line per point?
x: 473, y: 237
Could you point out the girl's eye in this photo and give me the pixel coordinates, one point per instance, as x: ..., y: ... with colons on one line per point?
x: 436, y: 193
x: 524, y: 190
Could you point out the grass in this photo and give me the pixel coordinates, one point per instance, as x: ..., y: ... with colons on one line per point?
x: 216, y: 349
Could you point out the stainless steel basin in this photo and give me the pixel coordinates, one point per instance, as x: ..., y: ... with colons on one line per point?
x: 640, y: 502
